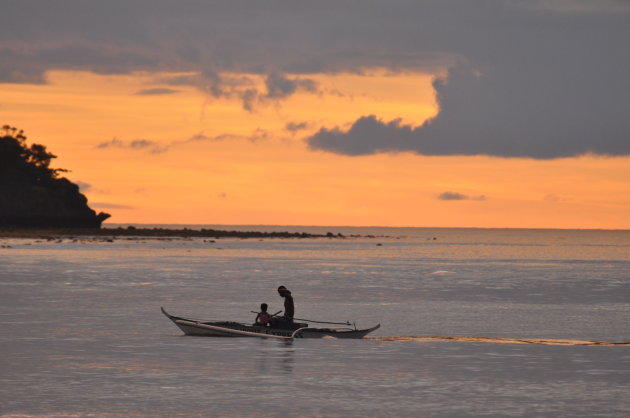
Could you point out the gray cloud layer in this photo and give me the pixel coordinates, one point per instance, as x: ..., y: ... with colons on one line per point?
x: 541, y: 79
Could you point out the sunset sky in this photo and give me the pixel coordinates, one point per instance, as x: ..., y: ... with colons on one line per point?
x: 369, y: 113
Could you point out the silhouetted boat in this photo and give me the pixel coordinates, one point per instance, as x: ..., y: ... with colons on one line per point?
x: 237, y: 329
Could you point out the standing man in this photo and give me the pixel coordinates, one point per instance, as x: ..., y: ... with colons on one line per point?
x: 289, y: 309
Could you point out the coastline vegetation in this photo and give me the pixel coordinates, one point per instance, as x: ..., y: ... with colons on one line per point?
x: 34, y: 195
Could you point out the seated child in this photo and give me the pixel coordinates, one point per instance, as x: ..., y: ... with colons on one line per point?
x: 263, y: 317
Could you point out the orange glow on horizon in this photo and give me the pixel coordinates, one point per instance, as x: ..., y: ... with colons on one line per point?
x: 199, y: 159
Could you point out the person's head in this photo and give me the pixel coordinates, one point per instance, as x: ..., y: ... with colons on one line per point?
x: 283, y: 291
x: 263, y: 307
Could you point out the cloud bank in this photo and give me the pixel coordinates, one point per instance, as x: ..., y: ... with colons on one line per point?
x: 539, y: 79
x: 486, y: 114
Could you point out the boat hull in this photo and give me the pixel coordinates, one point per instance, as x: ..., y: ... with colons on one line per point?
x: 236, y: 329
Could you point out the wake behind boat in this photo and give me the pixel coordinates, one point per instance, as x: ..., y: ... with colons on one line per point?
x: 237, y: 329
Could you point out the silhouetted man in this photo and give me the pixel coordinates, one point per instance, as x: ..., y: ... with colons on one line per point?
x: 289, y: 309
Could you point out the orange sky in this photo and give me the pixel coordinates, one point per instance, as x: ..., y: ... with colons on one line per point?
x: 246, y: 167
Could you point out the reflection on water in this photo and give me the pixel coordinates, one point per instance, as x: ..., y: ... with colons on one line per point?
x: 277, y: 356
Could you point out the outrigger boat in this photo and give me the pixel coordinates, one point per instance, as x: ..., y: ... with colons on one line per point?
x: 237, y: 329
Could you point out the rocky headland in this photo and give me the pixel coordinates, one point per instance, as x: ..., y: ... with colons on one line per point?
x: 32, y: 194
x: 36, y: 202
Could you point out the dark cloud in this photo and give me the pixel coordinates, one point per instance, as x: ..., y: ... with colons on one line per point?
x: 214, y: 84
x: 540, y: 79
x: 156, y: 91
x: 292, y: 37
x: 27, y: 63
x: 22, y: 76
x: 137, y: 144
x: 368, y: 135
x: 459, y: 196
x: 294, y: 127
x: 501, y: 114
x: 280, y: 86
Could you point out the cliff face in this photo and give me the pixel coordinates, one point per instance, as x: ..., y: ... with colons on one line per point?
x: 32, y: 194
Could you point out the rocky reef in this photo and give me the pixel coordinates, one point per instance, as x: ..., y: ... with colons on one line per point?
x: 33, y: 195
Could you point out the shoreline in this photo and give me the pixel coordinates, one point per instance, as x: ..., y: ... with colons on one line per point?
x: 46, y: 233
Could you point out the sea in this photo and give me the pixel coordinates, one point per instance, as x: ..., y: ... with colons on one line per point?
x: 474, y: 322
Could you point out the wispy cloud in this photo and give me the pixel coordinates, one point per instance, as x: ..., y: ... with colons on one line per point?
x: 295, y: 127
x: 83, y: 186
x: 148, y: 145
x: 454, y: 196
x: 201, y: 136
x: 104, y: 205
x: 156, y: 92
x: 555, y: 198
x: 154, y: 147
x: 258, y: 134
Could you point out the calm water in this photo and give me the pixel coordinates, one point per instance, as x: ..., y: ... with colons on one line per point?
x: 81, y: 331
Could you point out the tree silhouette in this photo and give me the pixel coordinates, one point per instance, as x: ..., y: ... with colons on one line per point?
x: 32, y: 193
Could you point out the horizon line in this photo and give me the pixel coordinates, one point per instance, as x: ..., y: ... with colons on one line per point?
x: 184, y: 225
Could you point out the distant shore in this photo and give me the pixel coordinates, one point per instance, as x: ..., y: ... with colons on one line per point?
x: 154, y: 232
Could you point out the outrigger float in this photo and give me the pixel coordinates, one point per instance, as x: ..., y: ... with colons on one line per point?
x: 237, y: 329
